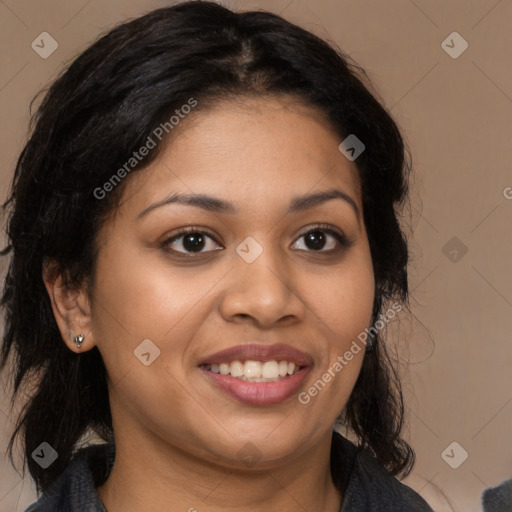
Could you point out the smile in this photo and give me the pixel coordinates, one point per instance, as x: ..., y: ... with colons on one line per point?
x: 255, y: 371
x: 257, y: 374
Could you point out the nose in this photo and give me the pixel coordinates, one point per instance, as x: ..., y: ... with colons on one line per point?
x: 266, y: 291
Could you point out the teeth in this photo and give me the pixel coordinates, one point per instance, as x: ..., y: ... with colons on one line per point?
x: 256, y: 371
x: 270, y: 370
x: 252, y: 369
x: 236, y: 369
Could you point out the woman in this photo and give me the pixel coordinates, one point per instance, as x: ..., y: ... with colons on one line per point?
x: 205, y: 248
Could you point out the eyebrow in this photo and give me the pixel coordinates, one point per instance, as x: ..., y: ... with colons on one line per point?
x: 216, y: 205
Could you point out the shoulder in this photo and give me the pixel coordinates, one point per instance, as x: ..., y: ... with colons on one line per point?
x: 371, y: 488
x: 75, y: 488
x: 498, y: 499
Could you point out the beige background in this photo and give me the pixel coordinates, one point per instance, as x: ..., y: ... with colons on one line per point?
x: 456, y: 114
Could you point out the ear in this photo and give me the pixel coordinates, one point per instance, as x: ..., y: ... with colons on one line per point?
x: 71, y: 308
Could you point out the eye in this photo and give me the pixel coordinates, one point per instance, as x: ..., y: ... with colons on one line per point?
x: 195, y: 240
x: 192, y: 239
x: 316, y: 239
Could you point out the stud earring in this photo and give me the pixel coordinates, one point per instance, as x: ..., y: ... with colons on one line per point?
x: 78, y: 340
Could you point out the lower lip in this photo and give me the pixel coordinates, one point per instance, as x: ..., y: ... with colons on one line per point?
x: 258, y: 393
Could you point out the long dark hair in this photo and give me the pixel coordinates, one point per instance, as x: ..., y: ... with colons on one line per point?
x: 102, y: 109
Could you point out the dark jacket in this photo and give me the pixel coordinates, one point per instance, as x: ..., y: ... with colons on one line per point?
x: 498, y: 499
x: 366, y: 485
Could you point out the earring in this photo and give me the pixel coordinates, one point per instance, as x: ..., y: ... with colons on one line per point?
x: 78, y: 340
x: 369, y: 343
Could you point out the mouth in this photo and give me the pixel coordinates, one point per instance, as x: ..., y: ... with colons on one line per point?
x: 257, y: 374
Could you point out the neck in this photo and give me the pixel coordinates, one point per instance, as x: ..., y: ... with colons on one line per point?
x: 147, y: 478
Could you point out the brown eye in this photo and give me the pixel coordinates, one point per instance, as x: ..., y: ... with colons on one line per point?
x: 317, y: 239
x: 191, y: 240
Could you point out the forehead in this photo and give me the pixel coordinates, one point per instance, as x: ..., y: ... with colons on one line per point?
x: 252, y: 152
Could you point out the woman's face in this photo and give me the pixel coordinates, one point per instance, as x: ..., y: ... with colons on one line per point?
x: 250, y: 285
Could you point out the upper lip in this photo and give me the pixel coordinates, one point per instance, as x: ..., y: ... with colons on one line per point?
x: 258, y: 352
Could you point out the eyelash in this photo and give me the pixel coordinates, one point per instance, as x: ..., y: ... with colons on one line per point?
x: 325, y: 228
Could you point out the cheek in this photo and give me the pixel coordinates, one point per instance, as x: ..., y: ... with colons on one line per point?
x: 344, y: 303
x: 142, y: 296
x: 344, y: 308
x: 136, y: 301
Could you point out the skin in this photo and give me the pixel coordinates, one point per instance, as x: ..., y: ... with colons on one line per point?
x: 177, y: 436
